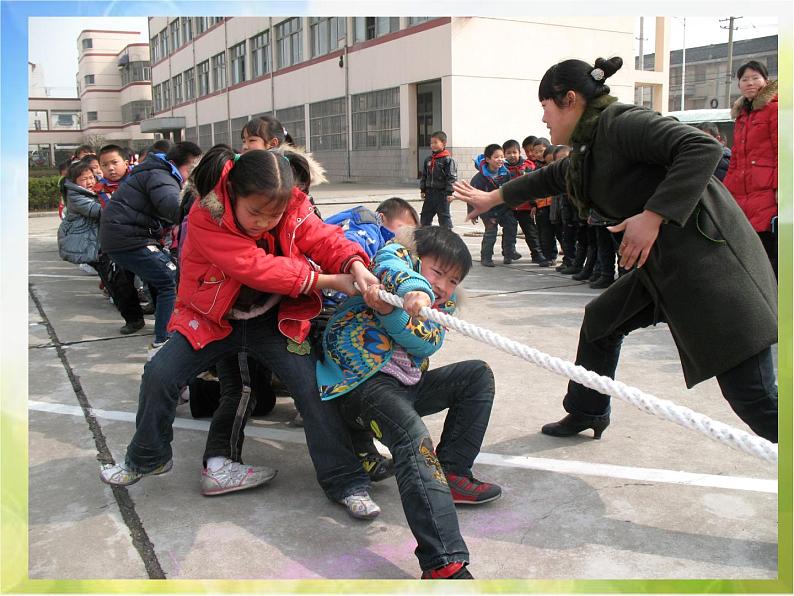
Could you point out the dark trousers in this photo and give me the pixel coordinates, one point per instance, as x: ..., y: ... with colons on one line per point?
x: 155, y: 268
x: 769, y: 240
x: 507, y: 220
x: 607, y: 245
x: 435, y: 204
x: 394, y: 412
x: 120, y: 283
x: 749, y: 387
x: 548, y: 238
x: 338, y: 470
x: 529, y: 227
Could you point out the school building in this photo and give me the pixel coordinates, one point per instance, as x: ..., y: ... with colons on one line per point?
x: 364, y: 93
x: 114, y: 95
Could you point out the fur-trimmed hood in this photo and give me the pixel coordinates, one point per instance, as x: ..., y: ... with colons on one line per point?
x: 765, y: 95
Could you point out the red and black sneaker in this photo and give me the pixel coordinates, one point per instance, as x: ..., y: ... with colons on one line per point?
x: 467, y: 490
x: 454, y: 570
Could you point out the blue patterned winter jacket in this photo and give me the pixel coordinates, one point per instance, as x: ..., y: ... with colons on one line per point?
x: 358, y: 341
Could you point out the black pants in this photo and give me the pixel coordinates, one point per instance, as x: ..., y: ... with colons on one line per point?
x: 435, y: 204
x: 548, y: 238
x: 530, y: 229
x: 120, y: 283
x: 769, y: 240
x: 749, y: 387
x: 607, y: 243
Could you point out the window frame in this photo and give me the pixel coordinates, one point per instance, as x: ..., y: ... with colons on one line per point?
x: 237, y: 63
x: 264, y: 50
x: 381, y: 105
x: 218, y: 69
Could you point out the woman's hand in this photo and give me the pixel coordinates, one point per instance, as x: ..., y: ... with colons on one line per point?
x: 374, y: 301
x: 479, y: 200
x: 639, y: 234
x: 363, y: 277
x: 413, y: 302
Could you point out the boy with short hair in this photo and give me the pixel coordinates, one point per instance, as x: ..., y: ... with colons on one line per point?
x: 438, y: 174
x: 376, y: 366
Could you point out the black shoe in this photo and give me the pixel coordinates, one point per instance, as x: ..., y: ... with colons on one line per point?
x: 573, y: 424
x: 507, y: 260
x: 516, y: 256
x: 561, y: 266
x: 546, y: 263
x: 537, y: 259
x: 583, y: 275
x: 594, y: 276
x: 376, y: 466
x: 487, y: 263
x: 570, y: 270
x: 147, y: 308
x: 602, y: 282
x: 132, y: 327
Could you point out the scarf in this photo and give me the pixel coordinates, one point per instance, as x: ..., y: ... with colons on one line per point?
x: 581, y: 138
x: 435, y: 156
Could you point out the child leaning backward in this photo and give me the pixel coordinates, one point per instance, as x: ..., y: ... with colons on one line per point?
x: 247, y: 286
x: 375, y: 368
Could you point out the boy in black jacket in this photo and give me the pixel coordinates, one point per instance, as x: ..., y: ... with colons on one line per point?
x: 438, y: 174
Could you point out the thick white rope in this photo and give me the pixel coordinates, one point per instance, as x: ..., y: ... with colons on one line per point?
x: 738, y: 439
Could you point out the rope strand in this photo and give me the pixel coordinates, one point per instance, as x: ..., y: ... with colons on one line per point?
x: 683, y: 416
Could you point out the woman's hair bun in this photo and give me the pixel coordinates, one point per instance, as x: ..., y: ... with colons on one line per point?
x: 609, y: 65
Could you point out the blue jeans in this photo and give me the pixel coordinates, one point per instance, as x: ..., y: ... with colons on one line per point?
x: 338, y: 470
x: 154, y: 267
x: 394, y: 411
x: 749, y: 388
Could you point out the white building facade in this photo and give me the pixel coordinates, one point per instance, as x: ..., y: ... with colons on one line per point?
x: 364, y: 93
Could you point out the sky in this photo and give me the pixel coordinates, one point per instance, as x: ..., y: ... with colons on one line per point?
x: 58, y: 54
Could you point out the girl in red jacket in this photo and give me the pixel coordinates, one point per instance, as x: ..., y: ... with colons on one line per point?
x: 247, y: 287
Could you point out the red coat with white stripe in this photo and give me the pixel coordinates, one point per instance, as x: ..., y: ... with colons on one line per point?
x: 217, y: 259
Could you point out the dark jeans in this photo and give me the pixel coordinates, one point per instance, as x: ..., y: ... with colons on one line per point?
x: 338, y: 470
x: 507, y: 220
x: 435, y: 203
x: 394, y: 412
x: 769, y: 240
x: 155, y: 268
x: 607, y: 251
x: 749, y: 387
x: 530, y: 229
x: 548, y: 239
x: 120, y: 283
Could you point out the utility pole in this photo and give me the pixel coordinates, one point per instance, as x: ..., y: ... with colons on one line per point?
x: 729, y: 75
x: 683, y: 68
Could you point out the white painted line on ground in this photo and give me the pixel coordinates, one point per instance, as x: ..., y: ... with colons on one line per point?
x: 560, y: 466
x: 64, y: 276
x: 523, y: 292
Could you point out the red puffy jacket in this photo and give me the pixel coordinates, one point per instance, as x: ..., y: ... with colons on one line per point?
x: 216, y: 259
x: 752, y: 172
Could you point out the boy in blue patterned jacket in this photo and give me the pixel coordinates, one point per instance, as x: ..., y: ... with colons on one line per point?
x: 376, y: 361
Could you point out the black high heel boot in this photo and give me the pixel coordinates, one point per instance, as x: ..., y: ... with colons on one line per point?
x: 573, y: 424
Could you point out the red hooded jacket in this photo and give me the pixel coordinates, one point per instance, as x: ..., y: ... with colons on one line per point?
x: 752, y: 172
x: 217, y: 259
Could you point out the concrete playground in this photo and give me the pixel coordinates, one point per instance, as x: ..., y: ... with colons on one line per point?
x: 650, y: 500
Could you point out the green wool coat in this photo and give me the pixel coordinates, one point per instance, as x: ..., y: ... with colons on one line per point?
x: 707, y: 274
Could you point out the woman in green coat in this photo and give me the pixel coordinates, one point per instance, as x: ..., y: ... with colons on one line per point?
x: 695, y: 261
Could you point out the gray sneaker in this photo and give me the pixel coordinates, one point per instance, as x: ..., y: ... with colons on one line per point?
x: 121, y: 475
x: 233, y: 476
x: 360, y: 505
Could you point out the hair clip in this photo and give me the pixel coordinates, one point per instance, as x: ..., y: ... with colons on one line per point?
x: 597, y: 74
x: 236, y: 157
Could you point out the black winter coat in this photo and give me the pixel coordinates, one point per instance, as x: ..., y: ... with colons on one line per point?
x: 147, y: 197
x: 707, y: 275
x: 440, y: 177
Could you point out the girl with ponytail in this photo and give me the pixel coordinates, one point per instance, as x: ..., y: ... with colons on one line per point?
x: 695, y: 261
x: 249, y: 286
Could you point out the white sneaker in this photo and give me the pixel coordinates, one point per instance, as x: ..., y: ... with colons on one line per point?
x: 86, y: 268
x: 233, y: 476
x: 360, y: 505
x: 121, y: 475
x: 154, y: 347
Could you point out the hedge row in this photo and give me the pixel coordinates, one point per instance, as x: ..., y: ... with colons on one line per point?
x: 43, y: 193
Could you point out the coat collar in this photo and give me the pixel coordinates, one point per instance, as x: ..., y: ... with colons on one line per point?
x: 766, y: 95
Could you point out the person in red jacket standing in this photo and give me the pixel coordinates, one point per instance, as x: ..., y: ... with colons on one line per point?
x: 752, y: 172
x: 247, y: 286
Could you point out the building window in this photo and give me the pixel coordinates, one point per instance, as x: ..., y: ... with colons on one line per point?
x: 65, y: 120
x: 203, y: 78
x: 64, y: 152
x: 294, y: 120
x: 163, y: 43
x: 91, y: 116
x: 190, y: 83
x: 205, y: 136
x: 89, y: 79
x: 186, y: 26
x: 417, y: 20
x: 155, y: 48
x: 175, y: 37
x: 88, y: 44
x: 135, y: 71
x: 260, y: 54
x: 191, y: 134
x: 39, y: 156
x: 214, y: 21
x: 288, y: 42
x: 176, y: 85
x: 237, y: 129
x: 700, y: 73
x: 328, y: 125
x: 371, y: 27
x: 219, y: 71
x: 376, y: 119
x: 200, y: 24
x: 37, y: 120
x: 135, y: 111
x: 237, y: 54
x: 157, y: 97
x: 326, y: 34
x: 166, y: 94
x: 771, y: 65
x: 221, y: 132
